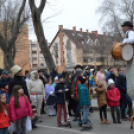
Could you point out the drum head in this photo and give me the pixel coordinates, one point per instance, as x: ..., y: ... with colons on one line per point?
x: 127, y: 52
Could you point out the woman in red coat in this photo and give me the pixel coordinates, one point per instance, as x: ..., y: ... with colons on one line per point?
x: 4, y: 115
x: 113, y: 97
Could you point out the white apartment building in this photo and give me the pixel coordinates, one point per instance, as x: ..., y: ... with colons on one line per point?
x: 36, y: 57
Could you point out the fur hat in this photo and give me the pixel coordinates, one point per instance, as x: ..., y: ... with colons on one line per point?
x: 16, y: 69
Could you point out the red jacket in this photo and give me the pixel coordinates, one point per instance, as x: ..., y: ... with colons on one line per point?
x: 24, y: 110
x: 113, y: 97
x: 5, y: 119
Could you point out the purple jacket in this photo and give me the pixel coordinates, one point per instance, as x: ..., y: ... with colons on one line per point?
x: 24, y: 110
x: 48, y: 89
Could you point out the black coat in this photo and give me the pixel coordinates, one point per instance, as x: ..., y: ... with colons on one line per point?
x: 121, y: 85
x: 53, y: 75
x: 17, y: 80
x: 8, y: 80
x: 60, y: 96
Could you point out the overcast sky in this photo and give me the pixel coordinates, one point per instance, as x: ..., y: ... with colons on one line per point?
x: 69, y: 13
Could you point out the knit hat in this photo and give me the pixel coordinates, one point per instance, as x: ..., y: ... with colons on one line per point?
x: 34, y: 73
x: 60, y: 76
x: 110, y: 81
x: 3, y: 85
x: 78, y: 66
x: 56, y: 78
x: 16, y: 69
x: 5, y: 72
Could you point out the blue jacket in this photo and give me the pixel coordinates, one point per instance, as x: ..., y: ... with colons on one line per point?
x: 60, y: 96
x: 121, y: 85
x: 83, y: 95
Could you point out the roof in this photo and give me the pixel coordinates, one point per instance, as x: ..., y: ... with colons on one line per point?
x: 81, y: 38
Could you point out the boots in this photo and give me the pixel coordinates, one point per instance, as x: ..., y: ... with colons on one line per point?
x: 106, y: 121
x: 102, y: 122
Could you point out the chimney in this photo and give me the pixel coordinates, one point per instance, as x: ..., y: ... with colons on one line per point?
x: 81, y: 30
x: 87, y: 31
x: 95, y: 32
x: 74, y: 29
x: 60, y: 27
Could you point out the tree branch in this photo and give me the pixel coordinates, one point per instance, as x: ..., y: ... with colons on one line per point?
x: 42, y: 6
x: 16, y: 31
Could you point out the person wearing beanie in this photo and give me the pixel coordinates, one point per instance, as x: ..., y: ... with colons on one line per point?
x: 4, y: 90
x: 5, y: 77
x: 18, y: 79
x: 36, y: 91
x: 113, y: 97
x: 59, y: 89
x: 84, y: 100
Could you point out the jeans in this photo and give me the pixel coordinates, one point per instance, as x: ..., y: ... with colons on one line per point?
x: 123, y: 104
x: 59, y: 107
x: 4, y: 130
x: 85, y: 115
x: 21, y: 125
x: 78, y: 110
x: 103, y: 110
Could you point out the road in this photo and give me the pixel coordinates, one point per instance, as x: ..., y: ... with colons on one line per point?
x: 49, y: 126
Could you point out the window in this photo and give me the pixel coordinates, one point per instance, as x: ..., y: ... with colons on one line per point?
x: 103, y: 59
x: 85, y: 59
x: 34, y: 52
x: 79, y: 35
x: 33, y: 45
x: 41, y: 58
x: 34, y: 58
x: 90, y: 51
x: 42, y: 64
x: 34, y: 65
x: 98, y: 59
x: 90, y: 59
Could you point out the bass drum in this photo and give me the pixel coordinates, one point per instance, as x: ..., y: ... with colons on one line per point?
x: 125, y: 52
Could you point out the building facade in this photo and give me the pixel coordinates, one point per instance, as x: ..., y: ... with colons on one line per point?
x: 70, y: 47
x: 37, y: 60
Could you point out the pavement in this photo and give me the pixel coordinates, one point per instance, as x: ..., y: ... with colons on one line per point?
x: 49, y: 126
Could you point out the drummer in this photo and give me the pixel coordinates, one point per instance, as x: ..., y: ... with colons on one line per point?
x: 129, y: 39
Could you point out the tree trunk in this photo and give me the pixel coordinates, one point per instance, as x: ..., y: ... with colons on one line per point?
x: 9, y: 60
x: 41, y: 39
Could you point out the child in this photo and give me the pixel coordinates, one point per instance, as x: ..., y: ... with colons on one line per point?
x: 4, y: 89
x: 60, y: 87
x: 50, y: 97
x: 113, y: 97
x: 20, y: 108
x: 84, y: 103
x: 102, y: 101
x: 4, y: 115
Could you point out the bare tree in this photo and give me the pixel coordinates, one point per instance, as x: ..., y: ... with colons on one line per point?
x: 38, y: 28
x: 12, y: 18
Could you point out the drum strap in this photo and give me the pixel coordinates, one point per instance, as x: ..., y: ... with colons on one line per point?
x: 128, y: 33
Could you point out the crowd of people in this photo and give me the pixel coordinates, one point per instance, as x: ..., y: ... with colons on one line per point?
x: 23, y: 96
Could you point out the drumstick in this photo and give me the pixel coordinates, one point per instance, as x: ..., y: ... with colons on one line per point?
x: 132, y: 120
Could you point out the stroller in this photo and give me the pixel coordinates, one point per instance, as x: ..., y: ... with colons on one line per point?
x: 68, y: 117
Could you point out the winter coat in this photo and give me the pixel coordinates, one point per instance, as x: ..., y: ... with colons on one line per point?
x: 49, y: 88
x: 113, y: 94
x: 43, y: 79
x: 35, y: 86
x: 101, y: 95
x: 121, y: 85
x: 2, y: 80
x: 24, y: 110
x: 84, y: 98
x: 5, y: 119
x: 101, y: 77
x: 18, y: 80
x: 60, y: 96
x: 54, y: 74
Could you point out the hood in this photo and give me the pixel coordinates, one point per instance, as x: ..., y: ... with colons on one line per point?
x: 33, y: 74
